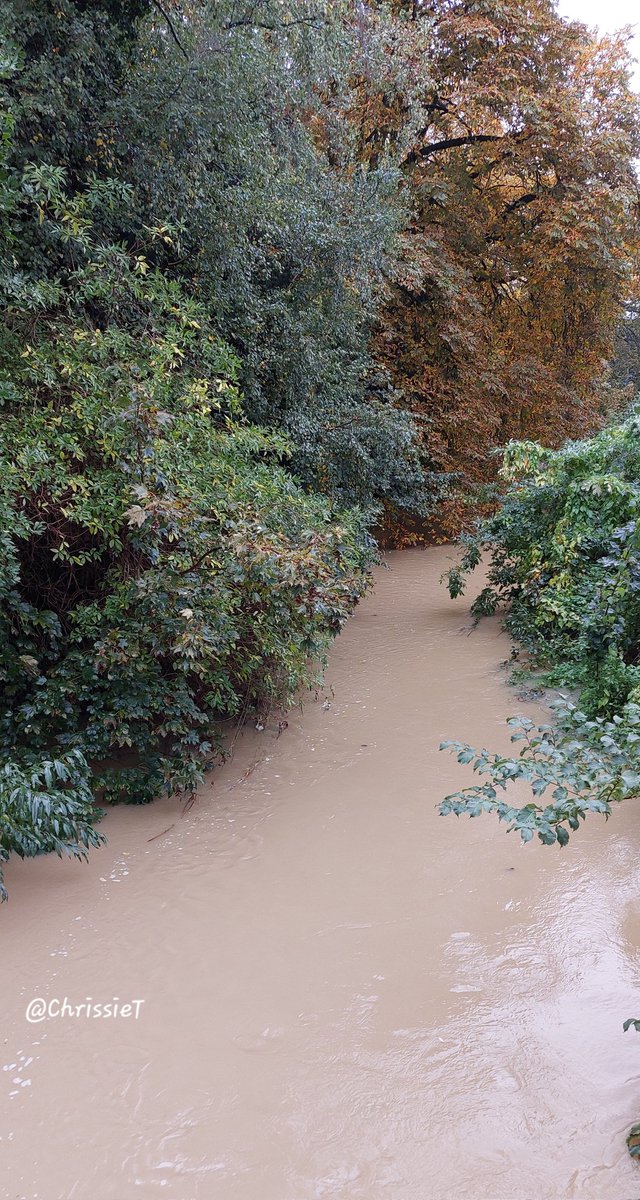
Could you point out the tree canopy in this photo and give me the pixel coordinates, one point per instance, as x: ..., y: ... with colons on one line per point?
x: 516, y: 134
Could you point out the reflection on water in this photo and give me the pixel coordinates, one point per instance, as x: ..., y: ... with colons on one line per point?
x: 346, y: 996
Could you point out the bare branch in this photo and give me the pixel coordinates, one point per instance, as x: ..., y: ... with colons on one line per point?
x: 450, y: 144
x: 248, y: 23
x: 522, y: 200
x: 167, y: 18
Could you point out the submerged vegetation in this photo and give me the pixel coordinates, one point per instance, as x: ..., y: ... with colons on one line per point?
x: 276, y: 275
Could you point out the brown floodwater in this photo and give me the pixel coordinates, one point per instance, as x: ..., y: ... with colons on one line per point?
x: 344, y: 995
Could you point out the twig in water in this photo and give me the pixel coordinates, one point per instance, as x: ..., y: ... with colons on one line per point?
x: 157, y: 835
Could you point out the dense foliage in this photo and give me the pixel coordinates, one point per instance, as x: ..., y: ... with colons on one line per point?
x: 564, y: 556
x: 271, y: 271
x: 389, y: 209
x: 211, y: 117
x: 515, y: 132
x: 287, y: 238
x: 159, y: 568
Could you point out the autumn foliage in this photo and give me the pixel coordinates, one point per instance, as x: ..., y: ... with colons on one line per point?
x: 515, y: 132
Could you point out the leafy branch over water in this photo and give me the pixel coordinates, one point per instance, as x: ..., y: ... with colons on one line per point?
x: 46, y: 805
x: 564, y: 558
x: 580, y: 765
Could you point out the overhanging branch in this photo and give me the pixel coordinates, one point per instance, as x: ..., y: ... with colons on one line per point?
x: 170, y: 26
x: 248, y: 23
x: 467, y: 139
x: 470, y: 139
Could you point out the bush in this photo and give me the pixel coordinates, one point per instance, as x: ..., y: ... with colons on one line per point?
x: 46, y: 804
x: 159, y: 567
x: 584, y: 764
x: 564, y: 555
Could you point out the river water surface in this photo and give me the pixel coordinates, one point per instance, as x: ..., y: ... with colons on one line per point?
x: 346, y: 996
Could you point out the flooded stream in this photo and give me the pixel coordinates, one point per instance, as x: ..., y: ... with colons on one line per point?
x: 345, y: 996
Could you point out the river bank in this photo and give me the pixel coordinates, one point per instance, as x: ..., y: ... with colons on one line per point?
x: 344, y: 995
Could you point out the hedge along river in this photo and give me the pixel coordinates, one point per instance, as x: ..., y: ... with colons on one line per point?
x: 344, y: 994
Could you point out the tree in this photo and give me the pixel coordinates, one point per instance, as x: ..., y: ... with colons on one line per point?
x: 287, y: 236
x: 209, y: 112
x: 516, y: 133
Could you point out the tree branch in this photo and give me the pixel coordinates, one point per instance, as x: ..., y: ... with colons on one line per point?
x: 248, y: 23
x: 470, y: 139
x: 167, y: 18
x: 528, y: 198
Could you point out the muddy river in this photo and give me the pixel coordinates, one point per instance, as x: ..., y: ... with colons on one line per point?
x: 340, y: 995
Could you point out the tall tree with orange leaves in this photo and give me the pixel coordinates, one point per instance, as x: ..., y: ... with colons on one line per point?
x: 516, y: 132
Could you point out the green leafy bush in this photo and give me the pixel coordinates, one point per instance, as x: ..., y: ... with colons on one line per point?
x: 564, y: 556
x: 159, y: 568
x: 580, y: 765
x: 46, y: 805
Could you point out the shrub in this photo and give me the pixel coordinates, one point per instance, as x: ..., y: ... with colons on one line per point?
x: 46, y: 804
x: 159, y: 567
x: 564, y: 555
x: 581, y: 765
